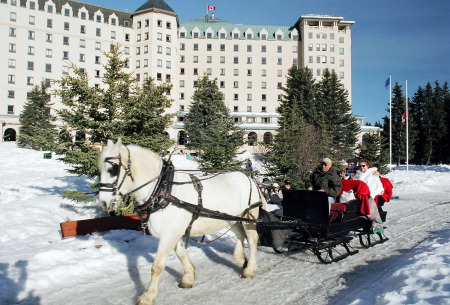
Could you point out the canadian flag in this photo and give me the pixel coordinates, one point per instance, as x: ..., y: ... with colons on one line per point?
x: 210, y: 8
x: 404, y: 118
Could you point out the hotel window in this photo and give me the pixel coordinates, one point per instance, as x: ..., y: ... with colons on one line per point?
x: 182, y: 46
x: 127, y: 51
x: 181, y: 98
x: 195, y: 60
x: 208, y: 59
x: 331, y: 35
x: 249, y: 36
x: 138, y: 50
x: 208, y: 35
x: 127, y: 37
x: 341, y: 62
x: 168, y: 51
x: 30, y: 81
x: 294, y: 37
x: 263, y: 48
x: 294, y: 49
x: 65, y: 55
x: 66, y: 26
x: 332, y: 47
x: 236, y: 60
x: 236, y: 47
x: 113, y: 21
x: 263, y: 60
x: 222, y: 84
x: 341, y: 51
x: 222, y: 59
x: 236, y: 84
x: 138, y: 37
x: 97, y: 73
x: 12, y: 32
x: 138, y: 25
x: 182, y: 34
x: 168, y: 38
x: 168, y: 64
x: 279, y: 37
x: 318, y: 72
x: 146, y: 36
x: 10, y: 95
x: 195, y: 83
x: 98, y: 32
x: 310, y: 47
x: 324, y: 59
x: 249, y: 48
x: 263, y: 72
x: 208, y: 47
x: 324, y: 47
x: 11, y: 79
x: 31, y: 20
x: 82, y: 57
x: 279, y: 73
x: 11, y: 107
x: 222, y: 35
x: 195, y: 71
x: 32, y: 5
x: 222, y: 47
x: 263, y: 36
x: 181, y: 83
x: 138, y: 64
x: 83, y: 15
x: 98, y: 45
x: 158, y: 76
x: 145, y: 76
x: 97, y: 59
x: 279, y: 61
x: 310, y: 35
x: 145, y: 49
x: 159, y: 23
x: 50, y: 9
x: 310, y: 59
x: 49, y: 23
x: 208, y: 71
x: 318, y: 59
x: 65, y: 40
x: 249, y: 85
x: 317, y: 47
x: 236, y: 72
x: 279, y: 49
x: 195, y: 46
x: 30, y: 50
x: 263, y: 109
x: 48, y: 68
x: 113, y: 35
x: 146, y: 23
x: 263, y: 85
x: 138, y: 77
x: 235, y: 35
x: 318, y: 36
x: 249, y: 97
x: 83, y: 29
x: 222, y: 72
x: 195, y: 34
x: 249, y: 72
x: 324, y: 36
x: 249, y: 108
x: 265, y: 120
x: 99, y: 18
x: 341, y: 74
x: 12, y: 48
x: 31, y: 35
x: 249, y: 60
x: 341, y: 39
x: 159, y: 50
x: 181, y: 58
x: 295, y: 61
x: 279, y: 85
x: 181, y: 71
x: 235, y: 97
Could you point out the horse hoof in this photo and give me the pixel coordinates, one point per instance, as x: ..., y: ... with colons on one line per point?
x: 184, y: 285
x: 248, y: 275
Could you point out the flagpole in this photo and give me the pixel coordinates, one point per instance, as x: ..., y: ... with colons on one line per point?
x: 407, y: 135
x: 390, y: 121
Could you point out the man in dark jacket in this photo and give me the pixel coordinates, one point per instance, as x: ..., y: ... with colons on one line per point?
x: 325, y: 180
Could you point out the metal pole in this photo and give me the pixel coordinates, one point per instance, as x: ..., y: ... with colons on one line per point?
x: 407, y: 135
x: 390, y: 120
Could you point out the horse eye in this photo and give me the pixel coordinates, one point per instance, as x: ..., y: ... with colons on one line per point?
x: 114, y: 170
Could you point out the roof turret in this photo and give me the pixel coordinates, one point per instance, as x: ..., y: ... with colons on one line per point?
x: 154, y: 4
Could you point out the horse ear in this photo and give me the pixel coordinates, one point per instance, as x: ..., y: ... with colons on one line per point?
x: 109, y: 143
x: 119, y: 142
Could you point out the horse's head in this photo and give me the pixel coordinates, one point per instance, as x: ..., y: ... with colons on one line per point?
x: 115, y: 174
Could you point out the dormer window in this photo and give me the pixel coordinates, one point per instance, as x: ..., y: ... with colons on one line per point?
x: 195, y: 34
x: 99, y: 18
x: 236, y: 36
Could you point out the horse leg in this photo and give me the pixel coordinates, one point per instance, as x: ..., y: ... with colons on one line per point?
x: 238, y: 253
x: 187, y: 281
x: 252, y: 239
x: 165, y: 246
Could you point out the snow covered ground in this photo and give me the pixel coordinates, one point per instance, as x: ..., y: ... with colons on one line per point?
x: 38, y: 267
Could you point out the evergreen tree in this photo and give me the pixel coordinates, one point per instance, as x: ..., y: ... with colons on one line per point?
x: 336, y: 108
x: 416, y: 111
x: 37, y: 128
x: 210, y: 130
x: 446, y: 137
x: 119, y: 110
x: 375, y: 149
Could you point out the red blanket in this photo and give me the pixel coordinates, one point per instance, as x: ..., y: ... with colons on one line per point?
x: 387, y: 195
x: 361, y: 191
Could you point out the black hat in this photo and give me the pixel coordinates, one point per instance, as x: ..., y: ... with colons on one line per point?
x: 352, y: 160
x: 287, y: 182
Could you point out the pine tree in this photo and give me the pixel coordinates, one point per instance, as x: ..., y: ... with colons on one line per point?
x: 446, y: 137
x: 336, y: 108
x: 416, y: 112
x: 119, y: 110
x: 376, y: 149
x: 37, y: 128
x: 210, y: 130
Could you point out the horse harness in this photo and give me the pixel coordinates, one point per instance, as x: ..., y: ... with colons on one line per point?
x: 161, y: 196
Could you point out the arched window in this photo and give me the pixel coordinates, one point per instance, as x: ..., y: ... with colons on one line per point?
x: 252, y: 139
x: 10, y: 135
x: 268, y: 138
x: 181, y: 137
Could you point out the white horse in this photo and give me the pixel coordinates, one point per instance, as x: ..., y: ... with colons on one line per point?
x: 228, y: 193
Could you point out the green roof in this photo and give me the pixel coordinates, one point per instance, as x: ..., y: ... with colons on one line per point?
x: 91, y: 9
x: 203, y: 23
x: 155, y: 4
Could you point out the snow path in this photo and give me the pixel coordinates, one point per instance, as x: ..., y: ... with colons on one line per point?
x: 38, y: 267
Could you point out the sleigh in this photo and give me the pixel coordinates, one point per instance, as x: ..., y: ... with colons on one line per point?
x: 327, y: 235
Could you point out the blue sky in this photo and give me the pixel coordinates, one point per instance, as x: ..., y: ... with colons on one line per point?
x: 407, y: 39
